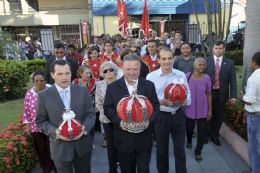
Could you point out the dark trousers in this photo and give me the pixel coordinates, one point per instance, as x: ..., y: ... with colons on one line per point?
x: 166, y: 124
x: 218, y: 109
x: 79, y: 165
x: 130, y: 161
x: 97, y: 123
x: 111, y: 149
x: 201, y: 124
x: 42, y: 147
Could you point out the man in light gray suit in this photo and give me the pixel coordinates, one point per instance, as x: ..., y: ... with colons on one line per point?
x: 51, y: 104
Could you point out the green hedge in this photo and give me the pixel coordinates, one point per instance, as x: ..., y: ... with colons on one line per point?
x: 13, y: 79
x: 235, y: 55
x: 34, y: 65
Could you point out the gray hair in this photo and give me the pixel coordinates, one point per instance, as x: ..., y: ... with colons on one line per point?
x: 102, y: 66
x: 131, y: 57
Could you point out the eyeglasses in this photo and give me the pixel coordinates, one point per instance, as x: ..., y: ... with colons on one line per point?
x: 110, y: 70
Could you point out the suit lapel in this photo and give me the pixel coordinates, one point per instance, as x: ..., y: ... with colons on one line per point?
x: 73, y: 96
x: 140, y: 87
x: 122, y: 85
x: 56, y: 96
x: 222, y: 67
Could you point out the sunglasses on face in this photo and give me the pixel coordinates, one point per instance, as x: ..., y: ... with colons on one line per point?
x: 110, y: 70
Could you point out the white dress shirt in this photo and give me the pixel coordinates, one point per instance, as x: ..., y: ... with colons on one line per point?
x: 252, y: 94
x: 131, y: 88
x: 60, y: 90
x: 220, y: 60
x: 64, y: 58
x: 161, y: 81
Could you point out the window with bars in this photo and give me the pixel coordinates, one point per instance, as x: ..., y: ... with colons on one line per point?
x: 15, y: 6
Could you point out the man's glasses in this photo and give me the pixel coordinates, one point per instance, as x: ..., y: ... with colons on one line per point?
x: 110, y: 70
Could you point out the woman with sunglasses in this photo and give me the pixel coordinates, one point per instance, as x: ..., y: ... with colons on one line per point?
x: 108, y: 70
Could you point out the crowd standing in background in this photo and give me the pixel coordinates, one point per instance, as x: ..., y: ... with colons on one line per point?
x: 112, y: 68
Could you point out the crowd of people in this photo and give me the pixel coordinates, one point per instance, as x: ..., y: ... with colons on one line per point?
x: 111, y: 69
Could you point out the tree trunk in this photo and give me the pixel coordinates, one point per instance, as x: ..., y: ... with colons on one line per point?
x: 252, y: 39
x: 219, y: 20
x: 209, y: 19
x: 229, y: 19
x: 198, y: 23
x: 224, y: 20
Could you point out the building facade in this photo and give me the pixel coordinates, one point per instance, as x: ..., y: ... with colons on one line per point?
x: 178, y: 14
x: 45, y: 20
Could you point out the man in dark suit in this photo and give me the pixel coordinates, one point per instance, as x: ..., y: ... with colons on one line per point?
x: 134, y: 149
x: 223, y: 76
x: 59, y: 53
x: 51, y: 103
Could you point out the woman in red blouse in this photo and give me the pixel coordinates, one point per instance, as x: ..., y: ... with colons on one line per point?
x: 94, y: 61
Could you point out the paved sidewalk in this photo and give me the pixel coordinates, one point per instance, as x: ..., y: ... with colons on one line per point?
x: 215, y: 159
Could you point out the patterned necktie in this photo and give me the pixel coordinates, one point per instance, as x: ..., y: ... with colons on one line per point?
x: 65, y: 99
x: 216, y: 82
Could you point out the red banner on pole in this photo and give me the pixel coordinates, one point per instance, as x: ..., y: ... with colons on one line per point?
x: 123, y: 23
x: 145, y: 21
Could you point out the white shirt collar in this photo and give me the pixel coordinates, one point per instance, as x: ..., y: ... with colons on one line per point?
x: 153, y: 57
x: 131, y: 87
x: 62, y: 89
x: 161, y: 73
x: 64, y: 58
x: 220, y: 58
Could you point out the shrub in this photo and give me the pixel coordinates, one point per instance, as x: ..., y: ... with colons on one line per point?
x: 16, y: 150
x: 34, y: 65
x: 13, y: 79
x: 235, y: 118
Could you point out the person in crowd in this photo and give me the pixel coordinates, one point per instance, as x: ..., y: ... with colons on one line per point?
x: 140, y: 43
x: 30, y: 50
x: 171, y: 118
x: 223, y: 78
x: 108, y: 71
x: 41, y: 141
x: 93, y: 61
x: 96, y: 40
x: 200, y: 109
x: 109, y: 55
x: 59, y: 53
x: 85, y: 79
x: 184, y: 62
x: 71, y: 53
x: 176, y: 46
x: 51, y: 104
x: 167, y: 39
x: 150, y: 59
x: 252, y: 108
x: 136, y: 51
x: 134, y: 149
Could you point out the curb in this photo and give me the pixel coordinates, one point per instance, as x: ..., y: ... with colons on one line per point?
x: 238, y: 144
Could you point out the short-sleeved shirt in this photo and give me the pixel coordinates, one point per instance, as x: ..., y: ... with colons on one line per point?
x: 199, y: 100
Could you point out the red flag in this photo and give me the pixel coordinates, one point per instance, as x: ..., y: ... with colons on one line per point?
x: 145, y: 22
x: 123, y: 19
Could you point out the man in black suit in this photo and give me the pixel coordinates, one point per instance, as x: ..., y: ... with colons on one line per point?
x: 59, y: 53
x: 223, y: 76
x: 134, y: 149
